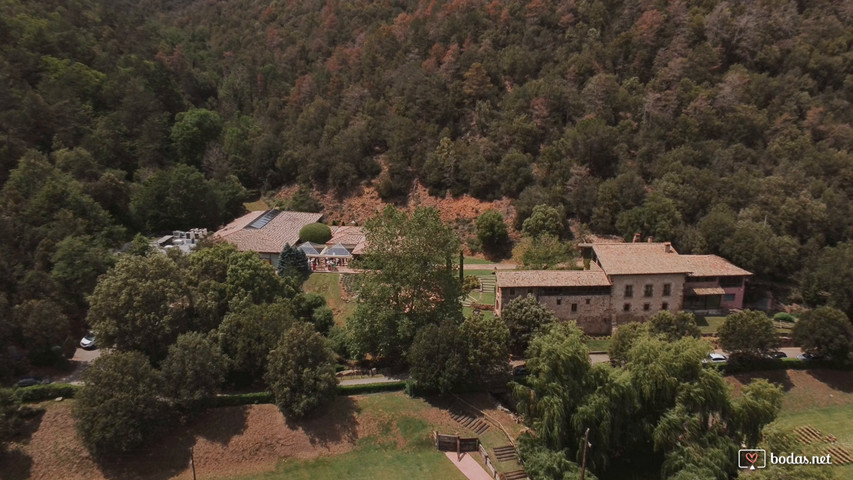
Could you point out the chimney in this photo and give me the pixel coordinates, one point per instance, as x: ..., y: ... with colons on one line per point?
x: 667, y: 247
x: 651, y: 239
x: 637, y: 237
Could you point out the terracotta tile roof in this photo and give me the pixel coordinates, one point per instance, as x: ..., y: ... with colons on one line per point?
x: 551, y: 278
x: 352, y: 237
x: 638, y: 258
x: 655, y: 258
x: 282, y: 228
x: 712, y: 266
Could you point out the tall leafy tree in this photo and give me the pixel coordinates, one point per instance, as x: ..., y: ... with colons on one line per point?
x: 301, y: 371
x: 119, y: 407
x: 673, y: 326
x: 491, y: 230
x: 487, y: 341
x: 524, y: 317
x: 141, y: 304
x: 825, y: 332
x: 249, y: 333
x: 749, y: 333
x: 193, y: 369
x: 408, y: 280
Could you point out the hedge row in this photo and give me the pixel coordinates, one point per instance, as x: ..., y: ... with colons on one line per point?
x: 40, y: 393
x: 237, y: 399
x: 745, y: 366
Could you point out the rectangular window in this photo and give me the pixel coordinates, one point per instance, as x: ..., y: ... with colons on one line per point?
x: 559, y: 301
x: 729, y: 297
x: 626, y: 307
x: 664, y: 306
x: 629, y: 291
x: 731, y: 281
x: 648, y: 291
x: 587, y: 301
x: 646, y: 307
x: 667, y: 289
x: 574, y: 307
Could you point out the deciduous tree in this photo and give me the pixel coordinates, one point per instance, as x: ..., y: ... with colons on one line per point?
x: 748, y: 333
x: 825, y: 332
x: 193, y: 369
x: 524, y: 317
x: 119, y: 407
x: 141, y: 304
x: 301, y: 371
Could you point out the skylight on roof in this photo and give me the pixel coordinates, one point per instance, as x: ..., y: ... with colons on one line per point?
x: 264, y: 219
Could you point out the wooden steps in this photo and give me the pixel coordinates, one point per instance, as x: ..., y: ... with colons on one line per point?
x: 840, y: 455
x: 506, y: 453
x: 474, y: 424
x: 808, y: 434
x: 516, y: 475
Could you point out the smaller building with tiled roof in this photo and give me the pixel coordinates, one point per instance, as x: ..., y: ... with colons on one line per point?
x: 266, y: 232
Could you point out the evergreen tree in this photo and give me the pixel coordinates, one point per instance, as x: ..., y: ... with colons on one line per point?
x: 293, y: 263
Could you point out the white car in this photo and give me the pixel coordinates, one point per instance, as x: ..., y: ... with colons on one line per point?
x: 717, y: 357
x: 88, y: 342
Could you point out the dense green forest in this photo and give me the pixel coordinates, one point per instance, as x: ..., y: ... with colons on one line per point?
x: 723, y: 126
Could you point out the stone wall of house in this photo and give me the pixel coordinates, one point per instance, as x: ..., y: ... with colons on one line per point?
x: 638, y: 306
x: 591, y: 312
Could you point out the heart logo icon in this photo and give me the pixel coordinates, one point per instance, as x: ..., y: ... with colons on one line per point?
x: 751, y: 457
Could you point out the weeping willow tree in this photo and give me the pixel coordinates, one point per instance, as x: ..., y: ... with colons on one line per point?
x: 661, y: 412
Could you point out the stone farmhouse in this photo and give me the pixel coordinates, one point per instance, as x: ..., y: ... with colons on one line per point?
x: 628, y: 282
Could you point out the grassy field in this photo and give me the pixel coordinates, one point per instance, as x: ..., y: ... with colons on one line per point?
x: 598, y: 344
x: 476, y: 261
x: 328, y: 285
x: 255, y: 206
x: 821, y: 399
x: 709, y: 324
x: 401, y: 448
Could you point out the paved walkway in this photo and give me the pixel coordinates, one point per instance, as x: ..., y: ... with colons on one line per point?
x: 469, y: 467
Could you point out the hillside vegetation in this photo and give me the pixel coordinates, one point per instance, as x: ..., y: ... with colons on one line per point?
x: 722, y: 126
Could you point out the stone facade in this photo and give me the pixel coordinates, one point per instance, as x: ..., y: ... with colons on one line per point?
x: 628, y: 283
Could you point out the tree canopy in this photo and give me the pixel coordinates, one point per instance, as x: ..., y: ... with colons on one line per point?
x: 408, y: 281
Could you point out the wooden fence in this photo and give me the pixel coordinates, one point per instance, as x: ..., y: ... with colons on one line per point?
x: 455, y: 443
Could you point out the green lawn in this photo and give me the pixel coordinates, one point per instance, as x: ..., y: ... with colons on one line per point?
x: 255, y: 206
x: 476, y: 261
x: 822, y: 399
x: 328, y: 285
x: 598, y: 345
x: 401, y: 449
x: 478, y: 273
x: 709, y: 324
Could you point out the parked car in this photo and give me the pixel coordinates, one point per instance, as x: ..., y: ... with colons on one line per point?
x: 777, y: 355
x: 88, y: 342
x: 808, y: 356
x: 519, y: 371
x: 30, y: 381
x: 716, y: 358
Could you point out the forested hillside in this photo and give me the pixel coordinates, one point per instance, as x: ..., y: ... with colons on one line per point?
x: 723, y: 126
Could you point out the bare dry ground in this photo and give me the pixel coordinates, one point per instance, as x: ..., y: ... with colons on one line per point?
x: 225, y: 442
x: 364, y: 204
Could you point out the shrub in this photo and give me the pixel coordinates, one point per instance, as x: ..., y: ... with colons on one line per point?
x: 40, y: 393
x: 784, y: 317
x: 315, y: 233
x: 371, y: 388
